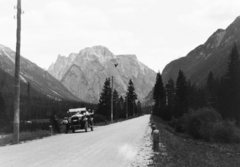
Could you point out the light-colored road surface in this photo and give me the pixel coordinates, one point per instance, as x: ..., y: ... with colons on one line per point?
x: 113, y: 145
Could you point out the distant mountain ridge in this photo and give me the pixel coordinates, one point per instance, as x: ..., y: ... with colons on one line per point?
x: 210, y: 56
x: 84, y: 73
x: 39, y: 79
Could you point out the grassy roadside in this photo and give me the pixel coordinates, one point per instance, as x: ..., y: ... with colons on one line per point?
x: 7, y: 139
x: 177, y: 150
x: 24, y: 136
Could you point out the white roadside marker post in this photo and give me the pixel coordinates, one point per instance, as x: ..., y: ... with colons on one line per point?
x: 50, y: 129
x: 156, y: 140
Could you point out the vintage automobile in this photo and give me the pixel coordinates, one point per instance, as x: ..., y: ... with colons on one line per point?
x: 78, y: 118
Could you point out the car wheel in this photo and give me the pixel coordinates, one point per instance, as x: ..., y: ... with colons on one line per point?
x: 86, y: 126
x: 73, y: 130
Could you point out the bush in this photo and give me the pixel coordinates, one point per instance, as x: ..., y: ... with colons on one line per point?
x: 198, y: 123
x: 177, y: 125
x: 223, y: 132
x: 207, y: 124
x: 34, y: 126
x: 99, y: 118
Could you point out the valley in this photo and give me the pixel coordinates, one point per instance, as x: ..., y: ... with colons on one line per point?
x: 132, y: 72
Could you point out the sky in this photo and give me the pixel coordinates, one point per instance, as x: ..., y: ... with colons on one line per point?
x: 156, y: 31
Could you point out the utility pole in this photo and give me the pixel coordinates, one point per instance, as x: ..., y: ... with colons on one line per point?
x: 28, y: 100
x: 127, y: 107
x: 115, y: 65
x: 17, y: 81
x: 112, y: 102
x: 133, y: 108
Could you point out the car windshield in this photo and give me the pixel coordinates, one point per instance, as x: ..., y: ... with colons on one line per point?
x: 77, y: 112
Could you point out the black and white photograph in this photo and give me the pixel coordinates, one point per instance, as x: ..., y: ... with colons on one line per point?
x: 119, y: 83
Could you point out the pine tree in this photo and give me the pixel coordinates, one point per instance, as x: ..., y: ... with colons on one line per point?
x: 193, y: 96
x: 125, y: 105
x: 181, y: 105
x: 116, y: 105
x: 131, y: 97
x: 122, y: 112
x: 104, y: 105
x: 211, y: 91
x: 139, y: 108
x: 170, y: 98
x: 4, y: 119
x: 158, y: 96
x: 170, y: 92
x: 230, y: 106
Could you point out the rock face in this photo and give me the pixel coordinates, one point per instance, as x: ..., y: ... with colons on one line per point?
x: 148, y: 100
x: 210, y: 56
x: 38, y: 78
x: 85, y: 73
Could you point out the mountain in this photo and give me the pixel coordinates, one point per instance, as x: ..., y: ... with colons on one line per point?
x: 38, y: 78
x: 148, y: 100
x: 84, y: 73
x: 211, y: 56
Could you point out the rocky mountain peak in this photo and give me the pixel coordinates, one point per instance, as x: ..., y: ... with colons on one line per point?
x: 86, y: 73
x: 235, y: 26
x: 96, y: 53
x: 39, y: 79
x: 61, y: 58
x: 237, y: 20
x: 1, y: 46
x: 129, y: 56
x: 216, y: 38
x: 210, y: 56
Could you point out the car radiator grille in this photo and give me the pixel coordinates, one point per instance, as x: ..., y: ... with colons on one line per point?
x: 75, y: 121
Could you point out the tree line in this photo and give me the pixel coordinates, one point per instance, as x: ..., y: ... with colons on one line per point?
x: 36, y: 107
x: 174, y: 100
x: 123, y: 106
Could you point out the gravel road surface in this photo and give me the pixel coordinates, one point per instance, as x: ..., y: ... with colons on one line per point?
x: 115, y: 145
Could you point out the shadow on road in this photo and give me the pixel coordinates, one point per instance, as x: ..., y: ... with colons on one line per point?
x: 78, y: 131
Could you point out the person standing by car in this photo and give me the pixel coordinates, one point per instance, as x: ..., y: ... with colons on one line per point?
x: 67, y: 121
x: 56, y: 124
x: 90, y: 117
x: 92, y: 114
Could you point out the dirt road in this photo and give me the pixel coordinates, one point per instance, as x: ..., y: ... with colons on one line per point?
x: 113, y: 145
